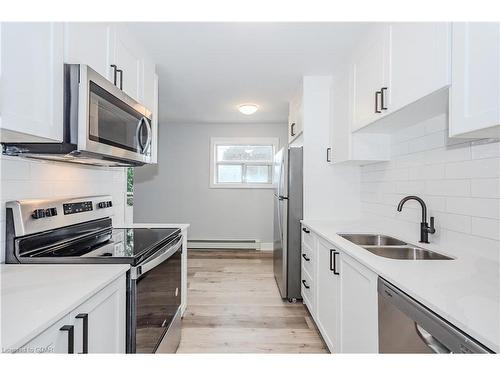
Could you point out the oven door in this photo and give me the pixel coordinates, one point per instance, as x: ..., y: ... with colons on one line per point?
x: 110, y: 122
x: 155, y: 301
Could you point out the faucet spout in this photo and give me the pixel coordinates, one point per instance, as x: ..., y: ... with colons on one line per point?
x: 425, y: 229
x: 419, y: 200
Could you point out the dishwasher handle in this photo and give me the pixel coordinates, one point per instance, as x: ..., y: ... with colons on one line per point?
x: 431, y: 341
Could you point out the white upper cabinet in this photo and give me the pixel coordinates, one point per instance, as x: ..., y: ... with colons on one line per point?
x: 346, y: 146
x: 295, y: 122
x: 369, y: 69
x: 31, y: 82
x: 475, y: 88
x: 397, y: 65
x: 128, y: 59
x: 89, y: 43
x: 419, y: 61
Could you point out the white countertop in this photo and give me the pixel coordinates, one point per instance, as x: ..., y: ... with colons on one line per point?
x: 159, y: 225
x: 33, y: 297
x: 464, y: 291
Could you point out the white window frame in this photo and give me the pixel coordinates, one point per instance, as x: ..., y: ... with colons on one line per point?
x: 229, y: 141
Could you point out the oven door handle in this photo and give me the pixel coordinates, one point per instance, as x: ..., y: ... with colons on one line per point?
x: 136, y: 272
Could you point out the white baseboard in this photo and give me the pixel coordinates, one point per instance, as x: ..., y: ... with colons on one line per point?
x: 266, y: 246
x: 230, y: 244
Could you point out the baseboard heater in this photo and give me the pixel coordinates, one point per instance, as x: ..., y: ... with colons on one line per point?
x: 225, y: 244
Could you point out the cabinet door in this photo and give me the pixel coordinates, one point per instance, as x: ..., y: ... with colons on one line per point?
x: 359, y: 311
x: 127, y: 57
x: 328, y: 301
x: 369, y: 69
x: 32, y: 80
x: 106, y: 319
x: 419, y: 61
x: 340, y: 128
x: 52, y: 340
x: 475, y: 71
x: 149, y: 92
x: 89, y: 43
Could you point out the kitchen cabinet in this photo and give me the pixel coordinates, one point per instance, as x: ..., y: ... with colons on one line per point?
x: 370, y: 73
x: 397, y: 65
x: 419, y: 61
x: 346, y: 146
x: 475, y: 76
x: 359, y: 307
x: 32, y: 81
x: 101, y: 319
x: 328, y: 294
x: 89, y: 43
x: 295, y: 121
x: 308, y: 269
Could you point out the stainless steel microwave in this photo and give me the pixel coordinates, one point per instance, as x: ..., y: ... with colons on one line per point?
x: 102, y: 124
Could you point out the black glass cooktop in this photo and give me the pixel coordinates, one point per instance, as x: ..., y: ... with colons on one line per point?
x: 100, y: 245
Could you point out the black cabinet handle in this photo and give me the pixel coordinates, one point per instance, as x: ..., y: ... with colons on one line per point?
x: 377, y: 94
x: 292, y: 128
x: 85, y: 318
x: 329, y: 154
x: 306, y: 230
x: 333, y: 261
x: 382, y: 98
x: 305, y: 285
x: 71, y: 337
x: 114, y: 73
x: 306, y: 258
x: 121, y: 78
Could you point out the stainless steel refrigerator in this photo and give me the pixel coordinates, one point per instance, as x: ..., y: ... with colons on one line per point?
x: 288, y: 210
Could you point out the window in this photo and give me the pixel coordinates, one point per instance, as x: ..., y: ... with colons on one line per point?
x: 242, y: 162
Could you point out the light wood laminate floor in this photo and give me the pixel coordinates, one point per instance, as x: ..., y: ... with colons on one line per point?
x: 234, y: 306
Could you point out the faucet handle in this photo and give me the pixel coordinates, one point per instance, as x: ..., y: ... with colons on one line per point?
x: 432, y: 229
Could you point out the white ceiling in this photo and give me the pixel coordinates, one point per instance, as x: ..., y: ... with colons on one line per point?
x: 207, y: 69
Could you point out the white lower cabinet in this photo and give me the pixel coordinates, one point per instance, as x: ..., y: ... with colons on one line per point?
x: 328, y: 295
x: 342, y: 296
x: 359, y: 307
x: 96, y: 326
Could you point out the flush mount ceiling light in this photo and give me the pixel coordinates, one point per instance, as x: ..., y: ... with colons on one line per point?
x: 248, y: 109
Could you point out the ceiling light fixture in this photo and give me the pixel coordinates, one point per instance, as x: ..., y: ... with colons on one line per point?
x: 248, y: 109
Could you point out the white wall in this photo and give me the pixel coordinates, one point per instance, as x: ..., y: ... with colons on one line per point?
x: 330, y: 191
x: 25, y: 179
x: 460, y: 184
x: 177, y: 189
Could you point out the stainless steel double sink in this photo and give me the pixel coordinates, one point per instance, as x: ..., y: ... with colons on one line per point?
x: 390, y: 247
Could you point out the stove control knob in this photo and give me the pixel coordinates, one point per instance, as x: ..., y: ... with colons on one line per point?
x: 109, y: 204
x: 50, y: 212
x: 38, y: 213
x: 101, y: 205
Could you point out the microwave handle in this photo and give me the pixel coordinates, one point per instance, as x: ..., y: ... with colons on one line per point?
x: 138, y: 133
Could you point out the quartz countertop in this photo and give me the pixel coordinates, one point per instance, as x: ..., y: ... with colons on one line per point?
x: 464, y: 291
x: 33, y: 297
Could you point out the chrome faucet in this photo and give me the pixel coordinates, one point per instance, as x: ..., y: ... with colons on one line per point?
x: 425, y: 228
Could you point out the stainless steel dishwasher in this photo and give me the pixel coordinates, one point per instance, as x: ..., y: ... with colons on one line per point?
x: 406, y: 326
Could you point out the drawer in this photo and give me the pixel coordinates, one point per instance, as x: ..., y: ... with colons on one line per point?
x: 308, y: 259
x: 308, y: 237
x: 308, y: 291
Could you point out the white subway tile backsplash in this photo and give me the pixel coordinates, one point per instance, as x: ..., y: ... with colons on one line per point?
x: 479, y: 207
x: 480, y: 168
x: 481, y: 150
x: 454, y: 188
x: 488, y: 228
x: 486, y: 188
x: 25, y: 179
x: 459, y: 181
